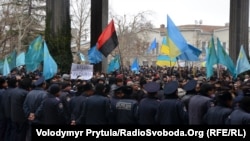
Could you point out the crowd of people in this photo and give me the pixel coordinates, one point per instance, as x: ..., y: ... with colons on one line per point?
x: 154, y: 96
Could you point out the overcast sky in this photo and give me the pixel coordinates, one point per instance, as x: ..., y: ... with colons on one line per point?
x: 211, y: 12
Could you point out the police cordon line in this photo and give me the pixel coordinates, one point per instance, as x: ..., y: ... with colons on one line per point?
x: 139, y: 132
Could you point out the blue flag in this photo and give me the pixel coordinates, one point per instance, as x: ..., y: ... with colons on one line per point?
x: 20, y: 59
x: 114, y: 64
x: 6, y: 68
x: 211, y: 58
x: 1, y: 66
x: 94, y: 56
x: 34, y: 55
x: 242, y: 62
x: 49, y: 64
x: 224, y: 58
x: 11, y: 58
x: 135, y: 66
x: 153, y: 45
x: 191, y: 54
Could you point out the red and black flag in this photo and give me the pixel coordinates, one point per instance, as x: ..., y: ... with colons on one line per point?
x: 108, y: 40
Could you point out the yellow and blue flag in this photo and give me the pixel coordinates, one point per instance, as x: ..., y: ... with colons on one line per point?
x: 211, y: 58
x: 224, y: 58
x: 49, y: 64
x: 164, y: 46
x: 242, y: 62
x: 34, y: 55
x: 176, y: 42
x: 165, y: 61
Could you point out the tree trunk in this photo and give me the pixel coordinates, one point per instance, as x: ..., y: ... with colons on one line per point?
x: 58, y: 33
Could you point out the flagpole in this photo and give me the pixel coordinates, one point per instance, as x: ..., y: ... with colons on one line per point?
x: 122, y: 70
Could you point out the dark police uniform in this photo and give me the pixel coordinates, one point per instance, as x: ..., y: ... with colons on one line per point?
x: 126, y: 109
x: 189, y: 87
x: 171, y: 110
x: 52, y: 111
x: 2, y: 119
x: 148, y: 106
x: 238, y: 117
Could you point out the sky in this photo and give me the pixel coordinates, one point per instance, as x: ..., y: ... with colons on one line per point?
x: 210, y: 12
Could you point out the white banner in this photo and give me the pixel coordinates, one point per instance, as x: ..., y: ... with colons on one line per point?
x: 85, y: 72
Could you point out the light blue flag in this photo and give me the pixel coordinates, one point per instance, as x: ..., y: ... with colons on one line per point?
x: 6, y: 67
x: 211, y: 58
x: 153, y: 45
x: 242, y: 62
x: 191, y: 54
x: 224, y: 58
x: 94, y: 55
x: 114, y: 64
x: 81, y: 56
x: 11, y: 58
x: 34, y: 54
x: 20, y: 59
x: 49, y: 64
x: 1, y: 66
x: 135, y: 66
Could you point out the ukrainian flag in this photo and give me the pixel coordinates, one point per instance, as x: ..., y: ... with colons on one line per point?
x: 164, y: 60
x: 164, y: 46
x: 176, y: 42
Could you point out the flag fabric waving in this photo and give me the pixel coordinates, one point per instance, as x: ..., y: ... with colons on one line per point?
x: 242, y: 62
x: 164, y: 46
x: 94, y: 56
x: 153, y: 45
x: 211, y: 58
x: 6, y: 67
x: 164, y: 60
x: 20, y: 59
x: 176, y: 42
x: 49, y: 64
x: 108, y: 40
x: 191, y: 54
x: 11, y: 58
x: 34, y: 54
x: 224, y: 58
x: 135, y: 66
x: 114, y: 64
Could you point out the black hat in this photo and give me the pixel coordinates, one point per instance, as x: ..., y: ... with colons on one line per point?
x: 151, y: 87
x: 170, y: 87
x: 127, y: 90
x: 54, y: 89
x: 39, y: 81
x: 118, y: 89
x: 190, y: 85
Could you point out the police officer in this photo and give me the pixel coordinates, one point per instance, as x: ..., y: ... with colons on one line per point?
x: 3, y: 87
x: 6, y: 100
x: 189, y: 87
x: 65, y: 97
x: 97, y: 108
x: 52, y: 108
x: 149, y: 105
x: 171, y: 110
x: 218, y: 114
x: 241, y: 114
x: 32, y: 103
x: 126, y: 109
x: 18, y: 118
x: 77, y: 102
x: 200, y: 103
